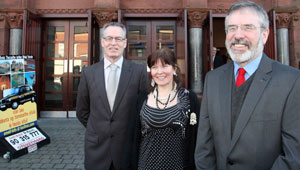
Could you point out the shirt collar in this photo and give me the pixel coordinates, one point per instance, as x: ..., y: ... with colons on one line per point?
x: 250, y: 67
x: 107, y: 63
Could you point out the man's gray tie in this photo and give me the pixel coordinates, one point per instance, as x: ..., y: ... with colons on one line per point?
x: 112, y: 84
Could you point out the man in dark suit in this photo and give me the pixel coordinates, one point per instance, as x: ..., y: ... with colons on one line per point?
x: 218, y: 60
x: 105, y: 95
x: 254, y: 124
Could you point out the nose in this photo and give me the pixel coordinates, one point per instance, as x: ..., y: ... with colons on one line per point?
x: 239, y: 33
x: 159, y: 70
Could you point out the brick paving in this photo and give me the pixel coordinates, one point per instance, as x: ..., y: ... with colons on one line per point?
x: 64, y: 152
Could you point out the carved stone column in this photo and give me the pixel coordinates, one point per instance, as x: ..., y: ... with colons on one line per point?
x: 195, y: 19
x: 15, y: 22
x: 282, y: 35
x: 103, y: 17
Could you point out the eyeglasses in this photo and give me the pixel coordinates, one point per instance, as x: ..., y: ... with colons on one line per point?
x: 246, y: 28
x: 117, y: 39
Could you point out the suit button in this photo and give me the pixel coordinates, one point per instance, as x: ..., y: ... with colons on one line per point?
x: 111, y: 136
x: 230, y: 162
x: 111, y: 120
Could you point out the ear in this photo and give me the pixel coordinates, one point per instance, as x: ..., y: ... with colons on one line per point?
x: 125, y: 43
x: 175, y: 68
x: 265, y: 35
x: 102, y: 42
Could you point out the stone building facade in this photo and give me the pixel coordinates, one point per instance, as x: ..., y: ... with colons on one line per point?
x: 64, y: 37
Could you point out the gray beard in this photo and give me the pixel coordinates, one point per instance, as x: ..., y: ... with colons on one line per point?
x: 249, y: 54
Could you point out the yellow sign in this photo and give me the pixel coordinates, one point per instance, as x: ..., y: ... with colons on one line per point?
x: 13, y: 120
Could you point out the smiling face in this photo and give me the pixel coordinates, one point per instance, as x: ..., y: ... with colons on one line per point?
x: 113, y: 50
x: 162, y: 74
x: 246, y: 42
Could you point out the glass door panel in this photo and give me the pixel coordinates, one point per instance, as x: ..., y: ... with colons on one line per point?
x: 144, y: 37
x: 55, y: 57
x: 54, y: 101
x: 80, y: 49
x: 139, y: 41
x: 54, y: 67
x: 165, y: 32
x: 170, y: 45
x: 64, y: 56
x: 164, y: 35
x: 78, y: 58
x: 55, y: 33
x: 79, y: 65
x: 55, y: 50
x: 81, y: 33
x: 137, y: 49
x: 54, y: 84
x: 137, y: 32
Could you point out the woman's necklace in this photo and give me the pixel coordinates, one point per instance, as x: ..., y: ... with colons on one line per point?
x: 173, y: 93
x: 164, y: 104
x: 171, y: 96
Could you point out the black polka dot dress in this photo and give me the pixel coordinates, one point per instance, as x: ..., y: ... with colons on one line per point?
x: 163, y: 133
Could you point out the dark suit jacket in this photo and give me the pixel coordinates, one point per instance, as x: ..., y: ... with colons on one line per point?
x: 267, y: 132
x: 219, y: 61
x: 106, y: 130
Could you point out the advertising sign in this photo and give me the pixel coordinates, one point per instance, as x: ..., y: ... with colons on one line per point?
x: 25, y: 138
x: 18, y: 108
x: 19, y: 132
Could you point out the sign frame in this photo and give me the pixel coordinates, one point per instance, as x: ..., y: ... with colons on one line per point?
x: 17, y: 153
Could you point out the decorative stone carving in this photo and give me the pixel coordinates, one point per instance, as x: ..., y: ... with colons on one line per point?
x: 175, y: 10
x: 283, y: 20
x: 105, y: 17
x: 284, y: 16
x: 219, y: 11
x: 14, y: 20
x: 196, y: 18
x: 62, y: 11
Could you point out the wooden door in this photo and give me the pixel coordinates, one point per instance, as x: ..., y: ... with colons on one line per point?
x: 146, y: 36
x: 65, y: 54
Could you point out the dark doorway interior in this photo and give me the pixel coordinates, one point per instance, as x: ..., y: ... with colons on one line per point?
x: 219, y: 37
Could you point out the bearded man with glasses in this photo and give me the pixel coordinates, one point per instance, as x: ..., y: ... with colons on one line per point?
x: 105, y: 95
x: 250, y: 112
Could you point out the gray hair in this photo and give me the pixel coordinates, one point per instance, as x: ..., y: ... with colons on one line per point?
x: 114, y: 24
x: 260, y: 11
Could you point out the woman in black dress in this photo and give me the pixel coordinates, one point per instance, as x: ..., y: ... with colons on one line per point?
x: 163, y: 127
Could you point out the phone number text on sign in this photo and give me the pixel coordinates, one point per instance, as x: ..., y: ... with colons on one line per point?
x: 25, y: 138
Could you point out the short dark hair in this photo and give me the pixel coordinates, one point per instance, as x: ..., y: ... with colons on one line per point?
x: 260, y: 11
x: 115, y: 24
x: 166, y: 56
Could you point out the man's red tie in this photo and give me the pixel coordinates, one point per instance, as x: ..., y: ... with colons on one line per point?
x: 241, y: 77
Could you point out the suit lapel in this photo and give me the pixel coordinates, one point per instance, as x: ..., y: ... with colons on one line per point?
x: 225, y: 100
x: 261, y: 79
x: 123, y: 83
x: 100, y: 84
